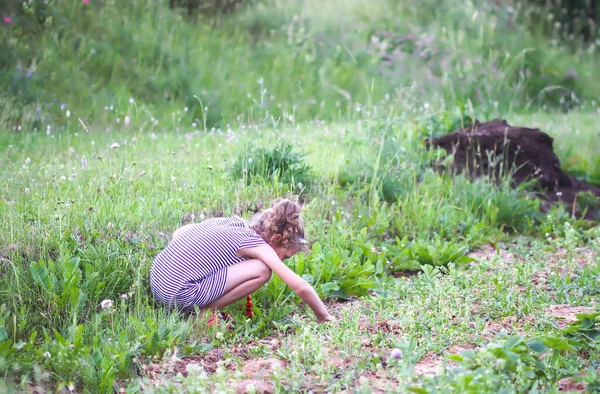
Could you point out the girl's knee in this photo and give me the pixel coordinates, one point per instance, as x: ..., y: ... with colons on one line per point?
x: 264, y: 272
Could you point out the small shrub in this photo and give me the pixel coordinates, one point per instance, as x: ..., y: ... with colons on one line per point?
x: 280, y: 163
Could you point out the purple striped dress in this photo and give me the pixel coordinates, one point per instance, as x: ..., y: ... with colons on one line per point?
x: 192, y: 269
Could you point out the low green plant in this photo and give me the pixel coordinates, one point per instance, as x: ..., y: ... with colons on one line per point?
x: 282, y: 163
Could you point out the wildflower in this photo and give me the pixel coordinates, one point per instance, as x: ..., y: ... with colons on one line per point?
x: 124, y: 296
x: 7, y: 20
x: 71, y: 385
x: 114, y: 145
x: 110, y: 225
x: 126, y: 121
x: 68, y: 114
x: 12, y: 247
x: 396, y: 354
x: 300, y: 185
x: 27, y: 161
x: 48, y: 130
x: 74, y: 175
x: 250, y: 160
x: 26, y: 191
x: 131, y: 101
x: 142, y: 173
x: 153, y: 136
x: 47, y: 355
x: 19, y: 128
x: 83, y: 163
x: 71, y: 149
x: 185, y: 109
x: 118, y: 120
x: 106, y: 304
x: 86, y: 2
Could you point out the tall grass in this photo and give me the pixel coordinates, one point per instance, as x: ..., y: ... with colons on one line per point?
x: 274, y: 60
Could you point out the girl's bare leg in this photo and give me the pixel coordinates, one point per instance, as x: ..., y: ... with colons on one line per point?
x: 242, y: 279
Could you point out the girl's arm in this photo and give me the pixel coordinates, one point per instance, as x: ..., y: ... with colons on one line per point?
x: 301, y: 287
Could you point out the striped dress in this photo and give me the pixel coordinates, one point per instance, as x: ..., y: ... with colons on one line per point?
x: 192, y: 269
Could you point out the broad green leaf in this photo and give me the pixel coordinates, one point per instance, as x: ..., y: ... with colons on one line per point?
x: 558, y: 344
x: 417, y: 390
x: 537, y: 346
x: 513, y: 341
x: 40, y: 275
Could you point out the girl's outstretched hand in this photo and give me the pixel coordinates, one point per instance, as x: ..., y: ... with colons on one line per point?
x: 326, y: 318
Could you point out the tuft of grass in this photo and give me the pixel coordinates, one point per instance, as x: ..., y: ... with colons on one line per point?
x: 280, y: 164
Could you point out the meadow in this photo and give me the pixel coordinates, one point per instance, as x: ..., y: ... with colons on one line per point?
x: 120, y: 123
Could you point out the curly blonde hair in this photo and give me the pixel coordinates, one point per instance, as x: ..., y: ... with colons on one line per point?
x: 283, y: 219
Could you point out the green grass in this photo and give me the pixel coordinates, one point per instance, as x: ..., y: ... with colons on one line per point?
x: 189, y: 102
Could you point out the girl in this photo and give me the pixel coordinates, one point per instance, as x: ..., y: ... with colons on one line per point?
x: 222, y: 260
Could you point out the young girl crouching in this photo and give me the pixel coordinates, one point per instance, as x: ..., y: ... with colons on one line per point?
x: 219, y: 261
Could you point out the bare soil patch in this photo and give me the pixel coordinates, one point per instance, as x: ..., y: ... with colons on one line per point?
x: 432, y: 363
x: 489, y: 148
x: 570, y: 385
x: 566, y: 314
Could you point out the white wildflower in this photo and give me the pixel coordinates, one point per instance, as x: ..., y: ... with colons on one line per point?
x: 26, y: 191
x: 27, y: 161
x: 68, y: 114
x: 83, y: 163
x: 396, y: 354
x: 114, y: 145
x: 46, y: 354
x: 126, y: 121
x: 131, y: 101
x: 124, y: 296
x: 106, y: 304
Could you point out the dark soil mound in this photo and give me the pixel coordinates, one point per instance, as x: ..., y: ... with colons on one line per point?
x: 495, y: 147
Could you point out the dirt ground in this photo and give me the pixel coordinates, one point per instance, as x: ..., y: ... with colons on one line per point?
x: 492, y: 147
